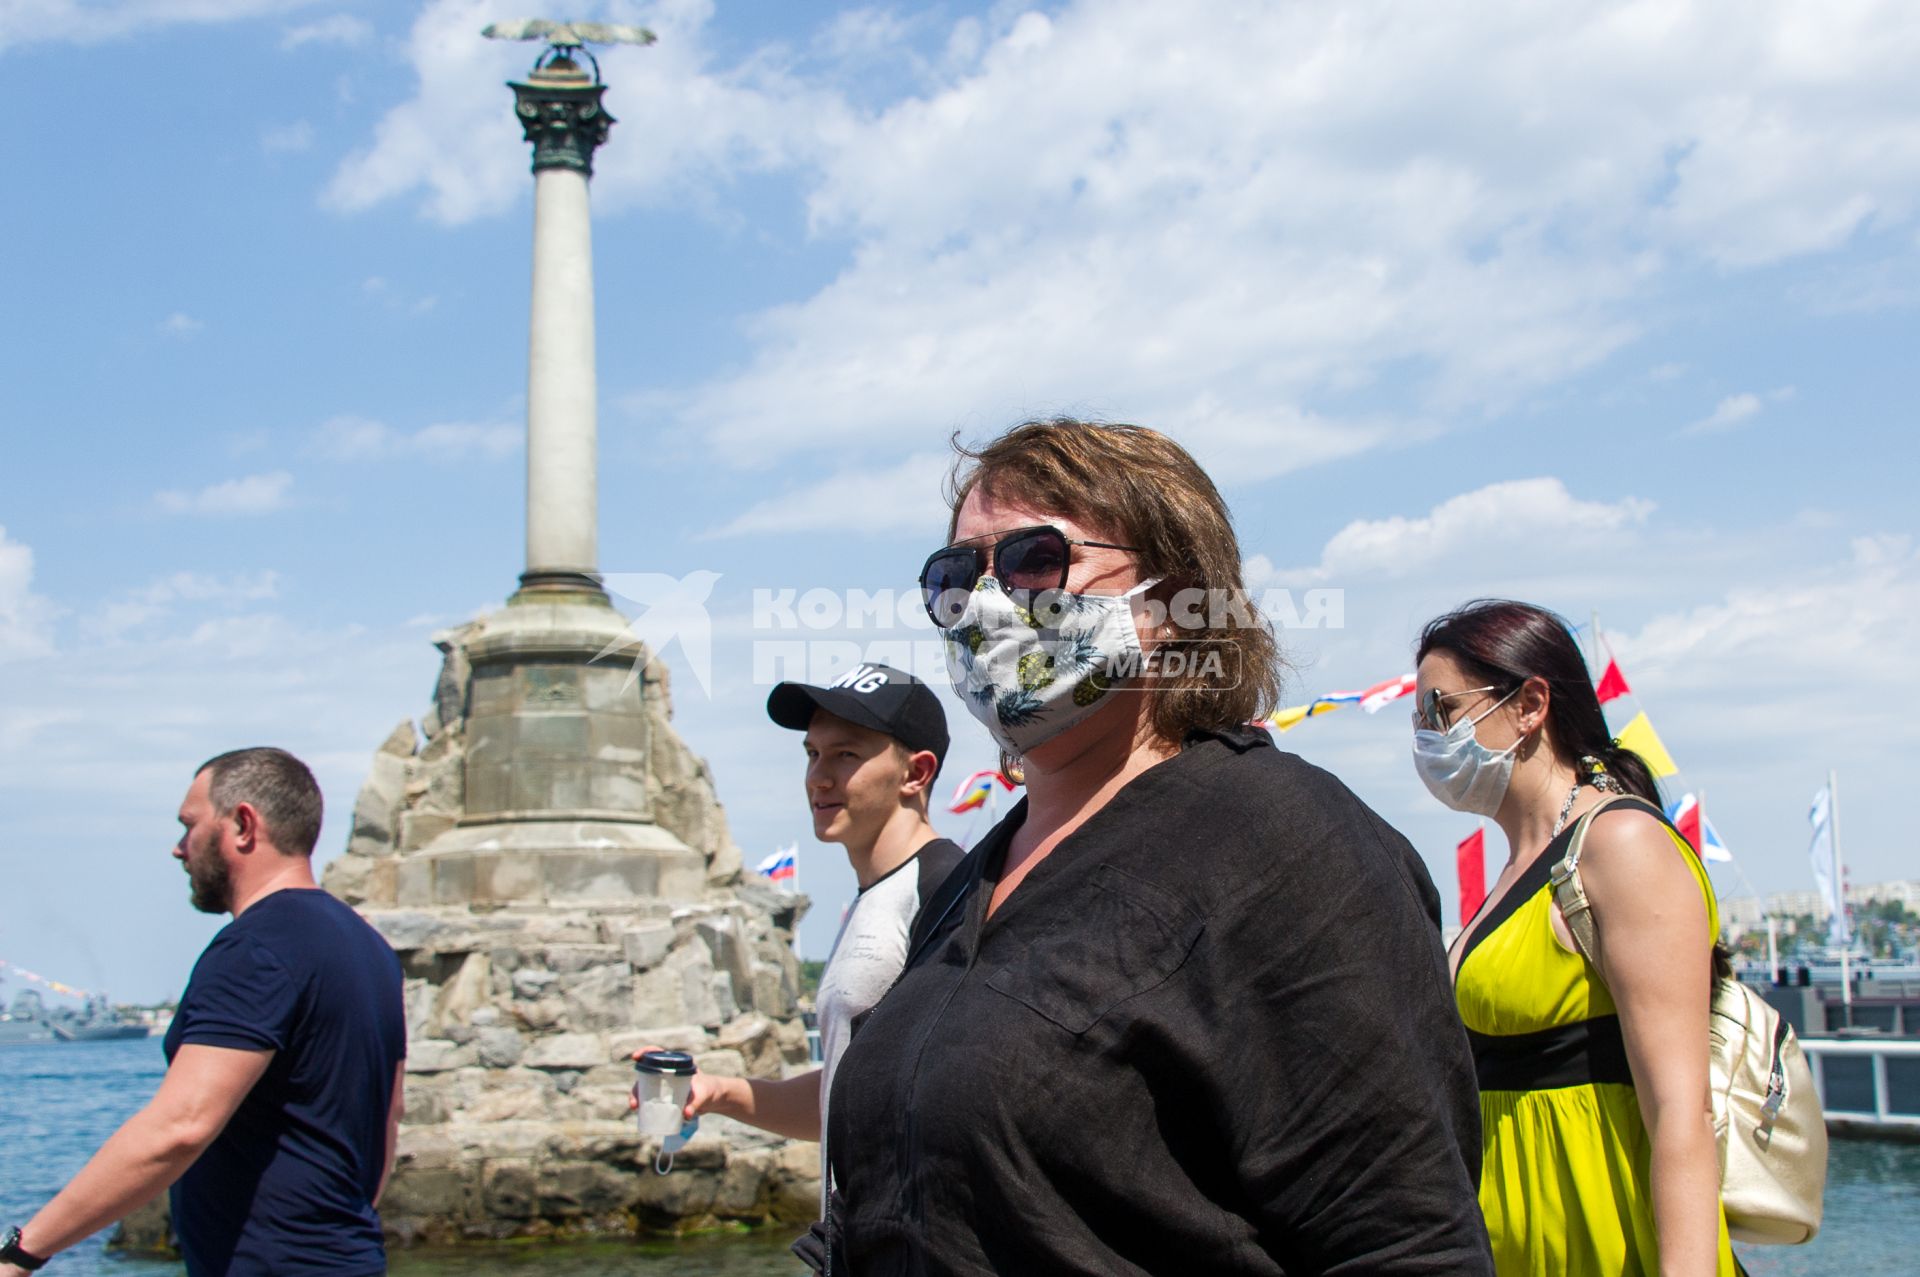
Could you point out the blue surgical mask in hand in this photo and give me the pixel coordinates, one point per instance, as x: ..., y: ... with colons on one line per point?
x: 673, y: 1144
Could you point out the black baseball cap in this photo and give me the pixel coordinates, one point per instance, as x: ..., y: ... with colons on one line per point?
x: 877, y: 696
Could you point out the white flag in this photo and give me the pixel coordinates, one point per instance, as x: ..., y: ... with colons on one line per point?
x: 1826, y: 873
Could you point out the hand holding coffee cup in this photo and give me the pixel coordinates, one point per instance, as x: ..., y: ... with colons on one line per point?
x: 662, y: 1089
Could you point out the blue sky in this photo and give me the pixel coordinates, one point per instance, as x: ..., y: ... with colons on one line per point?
x: 1614, y: 311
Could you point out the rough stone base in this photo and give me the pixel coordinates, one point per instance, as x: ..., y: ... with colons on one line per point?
x: 506, y: 1180
x: 539, y: 954
x: 535, y: 1179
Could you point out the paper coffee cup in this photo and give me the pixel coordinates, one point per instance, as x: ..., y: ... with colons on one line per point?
x: 665, y: 1079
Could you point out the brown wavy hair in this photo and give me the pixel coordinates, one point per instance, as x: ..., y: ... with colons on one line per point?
x: 1144, y: 490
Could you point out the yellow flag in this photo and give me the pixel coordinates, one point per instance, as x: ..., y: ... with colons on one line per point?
x: 1292, y: 716
x: 1640, y: 737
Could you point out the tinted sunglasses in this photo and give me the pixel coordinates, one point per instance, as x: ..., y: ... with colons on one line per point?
x: 1025, y: 561
x: 1432, y: 711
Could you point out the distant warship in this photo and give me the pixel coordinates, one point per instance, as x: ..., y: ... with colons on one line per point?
x: 28, y: 1020
x: 96, y: 1023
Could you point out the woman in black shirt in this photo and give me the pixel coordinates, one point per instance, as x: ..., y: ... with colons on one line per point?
x: 1190, y: 1014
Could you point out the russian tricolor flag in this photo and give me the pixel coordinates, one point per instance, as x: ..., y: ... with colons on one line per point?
x: 780, y: 866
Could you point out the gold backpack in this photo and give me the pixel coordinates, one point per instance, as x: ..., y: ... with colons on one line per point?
x: 1766, y: 1112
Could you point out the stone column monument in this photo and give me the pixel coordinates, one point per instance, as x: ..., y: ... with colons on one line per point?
x: 550, y: 861
x: 560, y: 109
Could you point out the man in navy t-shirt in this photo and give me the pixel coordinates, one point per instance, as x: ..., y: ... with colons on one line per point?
x: 276, y: 1120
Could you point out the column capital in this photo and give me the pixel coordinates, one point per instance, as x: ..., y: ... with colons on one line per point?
x: 560, y: 111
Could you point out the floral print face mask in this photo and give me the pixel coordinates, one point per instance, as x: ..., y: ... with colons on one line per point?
x: 1029, y: 678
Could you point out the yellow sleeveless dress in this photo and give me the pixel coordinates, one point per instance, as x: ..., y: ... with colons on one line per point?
x: 1564, y: 1177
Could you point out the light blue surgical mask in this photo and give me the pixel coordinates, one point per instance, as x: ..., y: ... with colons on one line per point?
x: 672, y: 1144
x: 1460, y: 771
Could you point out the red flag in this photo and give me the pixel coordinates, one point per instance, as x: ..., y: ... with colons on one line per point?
x: 1471, y: 857
x: 1613, y: 684
x: 1687, y: 820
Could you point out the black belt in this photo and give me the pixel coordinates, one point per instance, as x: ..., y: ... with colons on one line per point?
x: 1569, y: 1055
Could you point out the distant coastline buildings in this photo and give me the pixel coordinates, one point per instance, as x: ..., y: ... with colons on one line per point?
x: 1746, y: 913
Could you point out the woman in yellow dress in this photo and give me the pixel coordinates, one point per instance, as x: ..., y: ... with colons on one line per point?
x: 1598, y: 1150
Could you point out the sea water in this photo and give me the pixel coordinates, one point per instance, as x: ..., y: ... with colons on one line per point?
x: 59, y: 1101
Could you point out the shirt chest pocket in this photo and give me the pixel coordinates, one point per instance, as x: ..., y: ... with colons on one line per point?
x: 1122, y: 937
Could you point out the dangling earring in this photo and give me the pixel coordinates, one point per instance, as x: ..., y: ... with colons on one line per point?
x: 1013, y: 767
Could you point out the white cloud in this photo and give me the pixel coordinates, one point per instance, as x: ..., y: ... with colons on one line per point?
x: 1763, y: 685
x: 1863, y: 285
x: 863, y: 35
x: 26, y: 618
x: 1727, y: 414
x: 449, y: 440
x: 1735, y: 410
x: 1301, y: 204
x: 287, y: 138
x: 397, y: 299
x: 898, y: 498
x: 350, y: 438
x: 691, y: 126
x: 340, y: 29
x: 1519, y: 513
x: 448, y: 137
x: 79, y: 22
x: 1857, y: 618
x: 159, y: 598
x: 180, y: 324
x: 255, y: 494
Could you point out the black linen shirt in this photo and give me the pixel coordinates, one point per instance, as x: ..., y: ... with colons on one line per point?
x: 1211, y: 1032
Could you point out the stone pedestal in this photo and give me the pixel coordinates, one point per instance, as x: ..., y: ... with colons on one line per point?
x: 555, y: 809
x: 554, y: 869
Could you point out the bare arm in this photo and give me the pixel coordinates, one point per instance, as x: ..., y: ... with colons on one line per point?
x: 1654, y: 956
x: 787, y: 1106
x: 395, y: 1111
x: 202, y: 1088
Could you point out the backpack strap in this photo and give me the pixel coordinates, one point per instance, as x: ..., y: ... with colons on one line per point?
x: 1569, y: 894
x: 1567, y: 890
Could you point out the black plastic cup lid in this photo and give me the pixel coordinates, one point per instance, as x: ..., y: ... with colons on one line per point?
x: 678, y: 1063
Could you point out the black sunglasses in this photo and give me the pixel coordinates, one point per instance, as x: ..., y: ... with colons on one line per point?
x: 1026, y: 560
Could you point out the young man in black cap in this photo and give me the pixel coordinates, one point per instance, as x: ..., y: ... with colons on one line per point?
x: 875, y: 740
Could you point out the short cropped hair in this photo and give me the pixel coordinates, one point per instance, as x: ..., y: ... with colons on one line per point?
x: 277, y: 785
x: 1145, y: 490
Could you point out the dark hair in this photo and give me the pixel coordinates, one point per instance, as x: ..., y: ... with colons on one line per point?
x: 1507, y: 643
x: 1504, y: 643
x: 275, y: 784
x: 1148, y: 492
